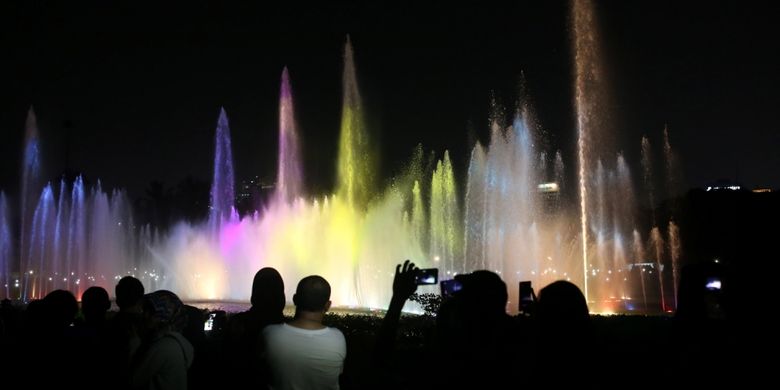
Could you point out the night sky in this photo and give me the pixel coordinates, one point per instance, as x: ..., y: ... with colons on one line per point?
x: 131, y: 93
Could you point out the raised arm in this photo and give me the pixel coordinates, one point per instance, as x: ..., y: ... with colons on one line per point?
x: 403, y: 287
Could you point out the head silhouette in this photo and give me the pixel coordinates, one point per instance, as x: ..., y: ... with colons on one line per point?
x: 484, y: 293
x: 562, y: 303
x: 165, y: 310
x: 476, y: 309
x: 268, y: 290
x: 312, y: 294
x: 60, y: 307
x: 95, y: 304
x: 129, y: 292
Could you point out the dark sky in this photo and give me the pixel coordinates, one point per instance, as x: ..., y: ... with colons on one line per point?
x: 131, y: 93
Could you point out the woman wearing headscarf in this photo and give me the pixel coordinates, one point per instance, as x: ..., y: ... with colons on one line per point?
x: 162, y: 360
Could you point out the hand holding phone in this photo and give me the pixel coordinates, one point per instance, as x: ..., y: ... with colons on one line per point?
x: 526, y: 296
x: 209, y: 324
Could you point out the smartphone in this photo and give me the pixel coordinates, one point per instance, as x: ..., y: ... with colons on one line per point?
x: 713, y: 284
x: 526, y: 295
x: 427, y: 276
x: 450, y: 287
x: 209, y: 325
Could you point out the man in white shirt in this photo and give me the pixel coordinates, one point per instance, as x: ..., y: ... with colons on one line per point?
x: 304, y: 354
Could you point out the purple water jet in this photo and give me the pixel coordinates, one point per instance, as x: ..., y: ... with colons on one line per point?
x: 289, y: 182
x: 222, y: 184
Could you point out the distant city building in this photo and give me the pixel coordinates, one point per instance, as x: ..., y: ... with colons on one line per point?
x: 548, y: 187
x: 723, y: 185
x: 252, y: 193
x: 550, y: 195
x: 762, y: 190
x: 730, y: 188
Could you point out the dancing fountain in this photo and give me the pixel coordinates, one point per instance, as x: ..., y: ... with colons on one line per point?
x: 512, y: 215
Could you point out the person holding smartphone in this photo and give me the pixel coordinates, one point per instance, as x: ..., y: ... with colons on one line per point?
x: 404, y: 285
x: 477, y: 340
x: 165, y: 355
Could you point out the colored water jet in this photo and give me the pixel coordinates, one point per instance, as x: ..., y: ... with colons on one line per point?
x: 289, y: 180
x: 355, y: 165
x: 222, y: 192
x: 6, y: 248
x: 508, y: 215
x: 30, y: 188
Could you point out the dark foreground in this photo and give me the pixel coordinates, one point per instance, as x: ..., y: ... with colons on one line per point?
x: 651, y: 350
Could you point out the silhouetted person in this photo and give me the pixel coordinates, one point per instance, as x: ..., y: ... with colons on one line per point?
x: 61, y: 308
x: 94, y: 305
x: 562, y: 306
x: 305, y: 354
x: 404, y: 286
x: 244, y: 329
x: 94, y: 353
x: 162, y: 360
x: 564, y: 333
x: 6, y: 310
x: 479, y: 343
x: 703, y: 338
x: 123, y: 336
x: 702, y: 294
x: 9, y: 332
x: 391, y: 365
x: 50, y: 339
x: 129, y: 294
x: 200, y: 373
x: 193, y: 325
x: 8, y: 320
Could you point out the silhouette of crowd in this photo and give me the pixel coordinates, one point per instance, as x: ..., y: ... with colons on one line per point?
x: 155, y: 341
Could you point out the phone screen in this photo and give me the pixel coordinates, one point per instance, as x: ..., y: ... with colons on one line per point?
x: 713, y: 284
x: 209, y: 325
x: 427, y: 276
x: 526, y: 292
x: 526, y: 296
x: 450, y: 287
